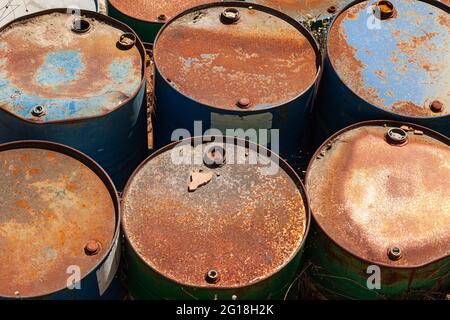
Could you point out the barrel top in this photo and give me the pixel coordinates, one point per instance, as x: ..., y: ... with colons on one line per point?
x: 264, y: 58
x: 370, y: 194
x: 50, y: 73
x: 398, y: 61
x: 156, y: 11
x: 52, y: 205
x: 301, y: 10
x: 242, y: 222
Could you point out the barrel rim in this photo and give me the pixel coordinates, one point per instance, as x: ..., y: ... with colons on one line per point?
x: 294, y: 23
x: 282, y: 165
x: 98, y: 171
x: 438, y: 4
x: 100, y: 17
x: 425, y: 130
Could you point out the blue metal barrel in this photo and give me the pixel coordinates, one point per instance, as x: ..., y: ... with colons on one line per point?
x: 60, y: 225
x: 78, y: 81
x: 386, y: 60
x: 234, y: 66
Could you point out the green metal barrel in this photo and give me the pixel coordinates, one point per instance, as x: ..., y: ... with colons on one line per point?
x: 380, y: 198
x: 147, y: 17
x: 214, y: 220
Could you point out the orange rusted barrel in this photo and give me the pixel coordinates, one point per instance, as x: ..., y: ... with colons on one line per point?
x: 210, y: 219
x: 59, y: 225
x: 380, y: 198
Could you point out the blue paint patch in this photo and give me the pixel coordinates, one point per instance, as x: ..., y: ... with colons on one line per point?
x: 120, y: 69
x: 396, y: 74
x: 60, y: 68
x: 21, y: 103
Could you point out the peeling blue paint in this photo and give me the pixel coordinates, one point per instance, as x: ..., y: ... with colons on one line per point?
x: 119, y: 70
x: 404, y: 79
x: 59, y: 68
x: 56, y: 71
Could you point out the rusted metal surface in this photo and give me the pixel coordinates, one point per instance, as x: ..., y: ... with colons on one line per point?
x: 370, y: 195
x: 261, y: 58
x: 154, y: 10
x: 400, y: 63
x: 72, y: 75
x: 52, y: 207
x: 239, y: 222
x: 303, y: 9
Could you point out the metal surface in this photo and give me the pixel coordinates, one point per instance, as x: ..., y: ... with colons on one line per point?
x: 146, y: 17
x: 384, y: 204
x: 206, y: 67
x: 238, y: 224
x: 261, y: 58
x: 88, y: 89
x: 390, y: 68
x: 301, y: 10
x: 54, y: 201
x: 58, y: 65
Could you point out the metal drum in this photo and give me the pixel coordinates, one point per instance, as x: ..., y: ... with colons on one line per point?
x: 214, y: 220
x: 76, y: 81
x: 59, y: 224
x: 387, y: 60
x: 147, y: 17
x: 244, y: 69
x: 380, y: 197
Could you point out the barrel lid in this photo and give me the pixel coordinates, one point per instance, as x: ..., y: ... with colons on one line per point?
x: 52, y: 205
x: 381, y: 186
x: 264, y: 58
x: 239, y: 220
x: 51, y: 73
x: 301, y: 10
x: 398, y: 61
x: 156, y: 11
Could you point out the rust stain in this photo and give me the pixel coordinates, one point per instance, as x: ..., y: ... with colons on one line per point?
x: 244, y: 224
x: 368, y: 195
x: 261, y: 58
x: 150, y: 10
x: 410, y: 109
x: 45, y: 222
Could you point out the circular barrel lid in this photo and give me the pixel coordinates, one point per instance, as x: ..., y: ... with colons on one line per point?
x: 396, y: 58
x: 243, y: 219
x: 301, y: 10
x: 157, y: 11
x: 52, y: 205
x: 221, y: 54
x: 56, y: 67
x: 381, y: 190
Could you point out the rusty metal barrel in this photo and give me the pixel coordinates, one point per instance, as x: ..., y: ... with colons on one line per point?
x: 243, y: 69
x: 213, y: 219
x: 386, y: 60
x: 75, y: 80
x: 147, y: 17
x: 380, y: 198
x: 59, y: 225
